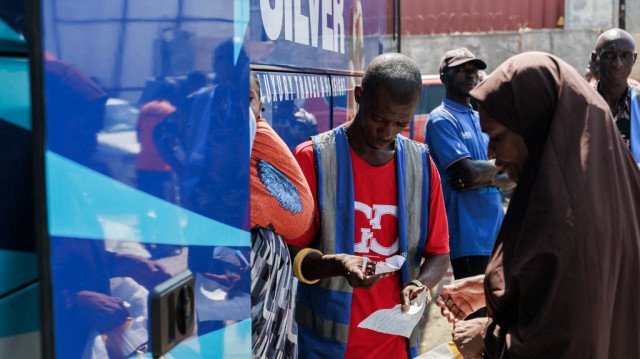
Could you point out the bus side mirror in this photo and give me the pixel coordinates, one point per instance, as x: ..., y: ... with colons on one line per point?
x: 172, y: 314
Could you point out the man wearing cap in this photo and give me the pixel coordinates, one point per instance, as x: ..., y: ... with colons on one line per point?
x: 470, y: 182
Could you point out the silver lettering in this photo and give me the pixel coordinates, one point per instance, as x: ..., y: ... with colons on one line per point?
x: 314, y: 15
x: 279, y: 82
x: 338, y: 26
x: 290, y: 85
x: 274, y: 92
x: 327, y: 32
x: 302, y: 24
x: 288, y: 24
x: 272, y: 18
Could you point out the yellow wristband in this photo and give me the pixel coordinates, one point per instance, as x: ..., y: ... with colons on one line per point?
x: 297, y: 265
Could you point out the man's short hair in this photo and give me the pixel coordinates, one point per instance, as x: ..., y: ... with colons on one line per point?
x: 399, y: 74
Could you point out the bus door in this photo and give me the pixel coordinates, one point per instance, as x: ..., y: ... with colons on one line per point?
x: 142, y: 140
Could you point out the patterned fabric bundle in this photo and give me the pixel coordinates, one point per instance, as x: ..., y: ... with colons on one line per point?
x: 281, y: 208
x: 273, y: 329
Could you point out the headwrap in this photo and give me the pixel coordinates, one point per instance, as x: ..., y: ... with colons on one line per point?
x: 562, y: 278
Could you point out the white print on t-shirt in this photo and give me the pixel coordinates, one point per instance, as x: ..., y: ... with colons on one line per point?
x: 367, y: 242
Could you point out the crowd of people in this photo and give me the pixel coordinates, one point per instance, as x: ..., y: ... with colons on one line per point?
x: 553, y: 278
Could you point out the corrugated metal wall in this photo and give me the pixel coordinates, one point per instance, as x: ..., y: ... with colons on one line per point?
x: 426, y: 17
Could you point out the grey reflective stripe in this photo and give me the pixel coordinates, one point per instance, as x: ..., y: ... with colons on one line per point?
x: 414, y: 172
x: 326, y: 143
x: 323, y: 327
x: 413, y: 201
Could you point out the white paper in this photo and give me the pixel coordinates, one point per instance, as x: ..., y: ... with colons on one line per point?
x: 392, y: 264
x: 395, y: 321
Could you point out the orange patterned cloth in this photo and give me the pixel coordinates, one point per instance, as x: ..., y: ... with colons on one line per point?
x: 280, y: 196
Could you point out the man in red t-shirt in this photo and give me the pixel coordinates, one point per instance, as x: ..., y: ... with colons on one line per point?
x: 377, y: 216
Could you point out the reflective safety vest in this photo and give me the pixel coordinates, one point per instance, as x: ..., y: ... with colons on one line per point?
x: 323, y: 309
x: 634, y: 118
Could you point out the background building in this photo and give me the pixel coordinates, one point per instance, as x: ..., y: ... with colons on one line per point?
x: 498, y: 29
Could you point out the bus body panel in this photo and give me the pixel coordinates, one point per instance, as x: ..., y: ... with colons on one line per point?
x: 325, y: 36
x: 146, y: 173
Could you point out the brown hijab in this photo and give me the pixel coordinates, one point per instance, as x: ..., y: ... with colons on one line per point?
x: 562, y: 281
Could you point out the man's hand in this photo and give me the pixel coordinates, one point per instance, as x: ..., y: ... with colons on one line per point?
x: 463, y: 297
x: 456, y: 182
x: 409, y: 293
x: 468, y: 174
x: 100, y: 310
x: 467, y: 335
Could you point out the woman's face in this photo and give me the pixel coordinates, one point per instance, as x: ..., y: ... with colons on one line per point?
x: 507, y: 147
x: 254, y: 99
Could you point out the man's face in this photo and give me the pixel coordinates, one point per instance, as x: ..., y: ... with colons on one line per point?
x: 614, y: 61
x: 461, y: 79
x: 383, y: 119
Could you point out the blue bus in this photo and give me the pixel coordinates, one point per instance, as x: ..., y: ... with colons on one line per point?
x: 96, y: 227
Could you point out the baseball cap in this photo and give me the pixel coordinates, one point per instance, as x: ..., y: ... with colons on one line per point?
x: 459, y: 56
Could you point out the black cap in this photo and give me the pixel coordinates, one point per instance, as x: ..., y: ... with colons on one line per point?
x: 459, y: 56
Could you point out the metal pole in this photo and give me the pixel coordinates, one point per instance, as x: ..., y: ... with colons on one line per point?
x: 622, y: 10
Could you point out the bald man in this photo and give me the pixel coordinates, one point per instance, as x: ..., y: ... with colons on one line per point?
x: 613, y: 59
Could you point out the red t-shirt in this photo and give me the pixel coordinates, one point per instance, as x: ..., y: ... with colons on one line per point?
x: 376, y: 233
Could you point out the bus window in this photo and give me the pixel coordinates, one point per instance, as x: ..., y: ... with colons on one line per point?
x: 344, y: 105
x: 13, y: 19
x: 296, y: 105
x: 147, y: 176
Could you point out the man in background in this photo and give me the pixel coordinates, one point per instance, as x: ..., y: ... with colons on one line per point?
x: 613, y: 58
x: 470, y: 182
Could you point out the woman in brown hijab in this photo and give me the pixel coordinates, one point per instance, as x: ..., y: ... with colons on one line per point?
x: 562, y: 281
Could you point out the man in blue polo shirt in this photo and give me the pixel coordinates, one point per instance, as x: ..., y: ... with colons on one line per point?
x: 470, y: 181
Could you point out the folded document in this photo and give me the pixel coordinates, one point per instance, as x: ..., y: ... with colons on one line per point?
x: 395, y: 321
x: 392, y: 264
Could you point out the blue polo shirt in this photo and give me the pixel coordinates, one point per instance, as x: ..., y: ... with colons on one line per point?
x: 453, y: 133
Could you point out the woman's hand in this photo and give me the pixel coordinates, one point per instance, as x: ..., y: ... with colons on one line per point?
x: 467, y: 335
x: 360, y: 276
x: 359, y: 271
x: 463, y: 297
